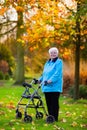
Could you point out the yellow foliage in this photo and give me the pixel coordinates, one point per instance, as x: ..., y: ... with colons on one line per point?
x: 85, y: 32
x: 18, y: 40
x: 57, y: 26
x: 82, y: 47
x: 66, y: 37
x: 19, y: 9
x: 21, y: 26
x: 21, y: 41
x: 3, y: 10
x: 83, y: 76
x: 66, y: 53
x: 24, y: 38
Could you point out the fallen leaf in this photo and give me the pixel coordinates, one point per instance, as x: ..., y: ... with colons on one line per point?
x: 64, y: 120
x: 83, y: 125
x: 74, y: 124
x: 58, y: 128
x: 22, y: 128
x: 2, y: 113
x: 45, y: 124
x: 1, y: 104
x: 10, y: 106
x: 68, y: 114
x: 13, y: 128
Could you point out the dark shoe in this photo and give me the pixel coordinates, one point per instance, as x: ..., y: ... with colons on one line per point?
x: 50, y: 119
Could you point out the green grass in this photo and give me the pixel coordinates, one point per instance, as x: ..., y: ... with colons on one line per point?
x: 72, y: 116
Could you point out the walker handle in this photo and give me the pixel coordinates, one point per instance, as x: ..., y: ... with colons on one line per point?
x: 45, y: 82
x: 35, y: 81
x: 26, y: 84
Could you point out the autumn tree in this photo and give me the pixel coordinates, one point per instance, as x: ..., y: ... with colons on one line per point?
x: 81, y: 8
x: 77, y: 36
x: 17, y: 6
x: 37, y: 33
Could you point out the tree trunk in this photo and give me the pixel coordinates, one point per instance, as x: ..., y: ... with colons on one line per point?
x: 77, y: 68
x: 19, y: 79
x: 77, y: 55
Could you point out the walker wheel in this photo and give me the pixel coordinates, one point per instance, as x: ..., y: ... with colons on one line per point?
x: 50, y: 119
x: 27, y: 119
x: 18, y: 115
x: 39, y: 115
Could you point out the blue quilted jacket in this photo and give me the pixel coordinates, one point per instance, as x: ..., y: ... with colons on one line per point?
x: 53, y: 70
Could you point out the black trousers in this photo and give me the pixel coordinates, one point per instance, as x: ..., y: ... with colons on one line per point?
x: 52, y: 101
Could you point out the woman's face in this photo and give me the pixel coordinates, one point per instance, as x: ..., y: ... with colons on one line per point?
x: 53, y: 54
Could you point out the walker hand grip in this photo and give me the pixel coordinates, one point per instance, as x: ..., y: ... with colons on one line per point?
x: 35, y: 81
x: 26, y: 84
x: 45, y: 82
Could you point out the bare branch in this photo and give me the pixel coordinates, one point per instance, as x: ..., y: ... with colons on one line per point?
x: 5, y: 23
x: 12, y: 29
x: 71, y: 10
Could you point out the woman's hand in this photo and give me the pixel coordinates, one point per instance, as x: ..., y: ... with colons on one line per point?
x: 49, y: 81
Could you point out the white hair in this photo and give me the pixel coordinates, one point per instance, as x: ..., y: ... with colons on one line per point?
x: 53, y: 49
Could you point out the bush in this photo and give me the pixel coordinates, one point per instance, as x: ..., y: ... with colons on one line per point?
x: 67, y: 82
x: 4, y: 76
x: 82, y: 91
x: 7, y: 76
x: 1, y: 75
x: 83, y: 77
x: 4, y: 67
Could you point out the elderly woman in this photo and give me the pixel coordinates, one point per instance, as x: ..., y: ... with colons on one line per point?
x: 52, y: 82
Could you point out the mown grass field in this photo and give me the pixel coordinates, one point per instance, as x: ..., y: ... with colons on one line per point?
x: 73, y: 114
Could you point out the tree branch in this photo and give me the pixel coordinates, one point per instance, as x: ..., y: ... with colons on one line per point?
x: 8, y: 31
x: 67, y: 7
x: 5, y: 23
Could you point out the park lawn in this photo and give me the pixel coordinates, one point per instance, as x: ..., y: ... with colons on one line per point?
x: 72, y: 116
